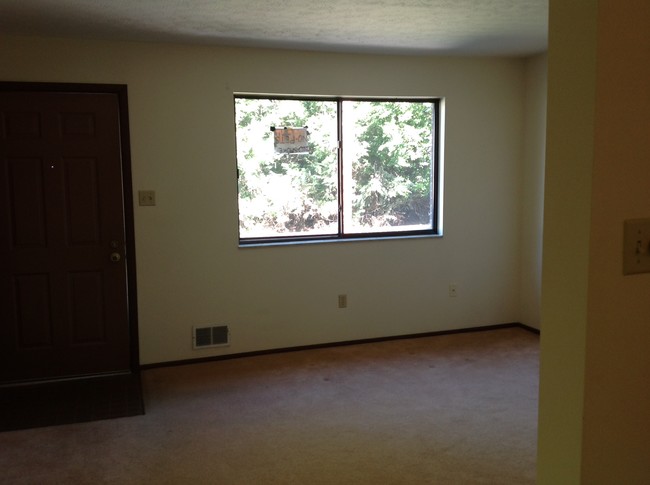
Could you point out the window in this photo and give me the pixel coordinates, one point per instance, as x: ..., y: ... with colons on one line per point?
x: 322, y: 168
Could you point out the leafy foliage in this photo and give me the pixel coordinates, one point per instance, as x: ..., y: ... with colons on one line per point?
x: 391, y: 163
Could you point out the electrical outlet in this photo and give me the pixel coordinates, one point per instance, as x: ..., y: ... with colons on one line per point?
x: 343, y: 301
x: 147, y: 197
x: 453, y: 290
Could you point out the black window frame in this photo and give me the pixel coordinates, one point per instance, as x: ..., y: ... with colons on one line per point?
x: 435, y: 229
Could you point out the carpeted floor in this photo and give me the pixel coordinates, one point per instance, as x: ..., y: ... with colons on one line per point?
x: 452, y: 409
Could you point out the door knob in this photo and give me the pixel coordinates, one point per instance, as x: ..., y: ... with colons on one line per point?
x: 115, y: 257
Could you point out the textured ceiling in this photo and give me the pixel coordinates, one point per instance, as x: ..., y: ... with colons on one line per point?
x: 471, y: 27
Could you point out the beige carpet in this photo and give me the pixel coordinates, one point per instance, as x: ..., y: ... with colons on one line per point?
x: 453, y: 409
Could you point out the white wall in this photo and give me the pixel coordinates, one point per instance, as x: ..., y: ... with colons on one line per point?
x: 190, y: 269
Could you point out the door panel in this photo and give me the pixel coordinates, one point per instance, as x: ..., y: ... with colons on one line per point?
x: 87, y: 307
x: 32, y: 305
x: 65, y: 309
x: 27, y: 202
x: 82, y: 201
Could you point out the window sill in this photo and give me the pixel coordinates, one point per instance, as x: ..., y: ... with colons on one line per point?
x: 338, y: 240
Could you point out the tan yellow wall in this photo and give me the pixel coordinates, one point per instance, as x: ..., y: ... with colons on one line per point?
x: 617, y: 381
x: 190, y: 269
x: 567, y: 211
x: 594, y: 423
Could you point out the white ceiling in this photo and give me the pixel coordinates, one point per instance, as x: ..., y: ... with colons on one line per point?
x: 458, y: 27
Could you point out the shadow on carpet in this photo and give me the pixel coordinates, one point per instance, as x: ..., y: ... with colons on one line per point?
x: 73, y: 401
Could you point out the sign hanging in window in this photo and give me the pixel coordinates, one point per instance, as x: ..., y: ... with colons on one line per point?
x: 291, y: 140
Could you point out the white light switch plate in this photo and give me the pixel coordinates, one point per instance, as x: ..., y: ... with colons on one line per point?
x: 636, y: 246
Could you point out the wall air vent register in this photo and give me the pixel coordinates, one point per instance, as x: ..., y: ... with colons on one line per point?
x: 205, y: 337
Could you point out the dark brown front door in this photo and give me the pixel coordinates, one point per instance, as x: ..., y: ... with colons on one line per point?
x: 64, y: 305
